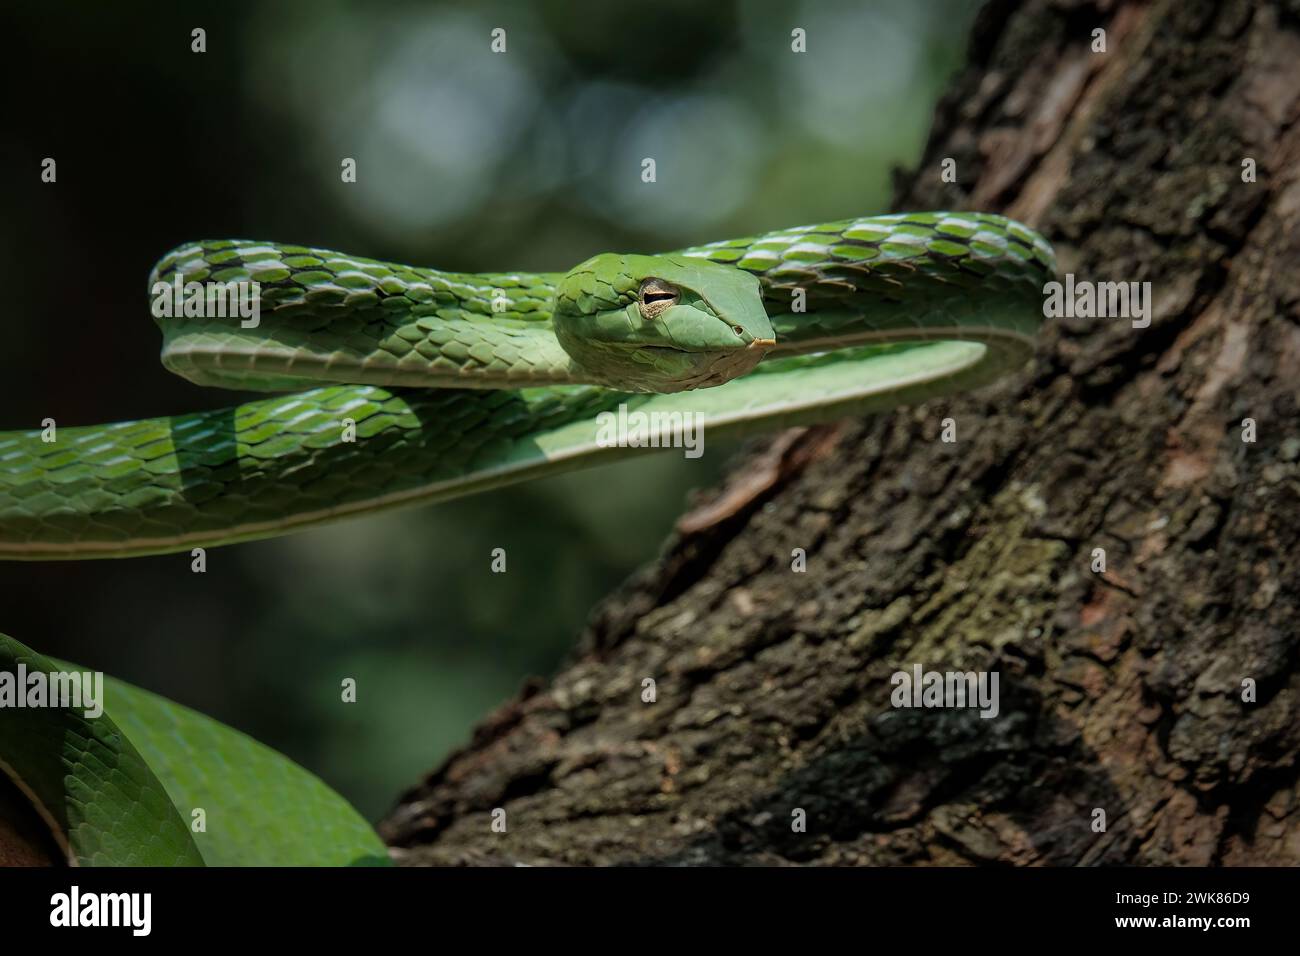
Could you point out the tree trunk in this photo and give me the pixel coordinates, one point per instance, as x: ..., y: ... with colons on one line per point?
x: 1126, y: 690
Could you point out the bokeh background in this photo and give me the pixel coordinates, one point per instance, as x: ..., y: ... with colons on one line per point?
x: 467, y: 160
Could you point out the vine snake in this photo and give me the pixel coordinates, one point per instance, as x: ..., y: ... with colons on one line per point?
x: 425, y: 385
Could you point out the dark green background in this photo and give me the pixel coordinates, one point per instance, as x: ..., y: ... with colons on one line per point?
x: 466, y: 160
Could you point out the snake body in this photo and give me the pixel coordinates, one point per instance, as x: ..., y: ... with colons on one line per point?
x: 424, y: 385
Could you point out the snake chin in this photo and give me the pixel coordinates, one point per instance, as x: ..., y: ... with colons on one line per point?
x: 678, y: 370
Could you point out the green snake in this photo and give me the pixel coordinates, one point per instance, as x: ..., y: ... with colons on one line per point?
x: 407, y: 385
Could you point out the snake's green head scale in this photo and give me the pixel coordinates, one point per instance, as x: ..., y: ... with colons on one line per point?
x: 661, y: 323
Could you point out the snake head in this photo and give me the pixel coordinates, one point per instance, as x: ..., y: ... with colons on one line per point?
x: 661, y: 323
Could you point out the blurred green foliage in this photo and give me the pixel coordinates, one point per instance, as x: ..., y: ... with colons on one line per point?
x: 468, y: 160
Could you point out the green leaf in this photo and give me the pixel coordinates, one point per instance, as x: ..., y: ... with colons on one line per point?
x: 262, y: 809
x: 122, y: 788
x: 103, y: 803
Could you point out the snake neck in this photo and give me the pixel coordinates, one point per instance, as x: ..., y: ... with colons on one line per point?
x: 895, y: 278
x: 269, y: 317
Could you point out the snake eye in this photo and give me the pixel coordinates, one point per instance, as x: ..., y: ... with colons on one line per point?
x: 655, y: 296
x: 738, y: 330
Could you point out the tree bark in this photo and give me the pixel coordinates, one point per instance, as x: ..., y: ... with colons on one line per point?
x: 1121, y: 691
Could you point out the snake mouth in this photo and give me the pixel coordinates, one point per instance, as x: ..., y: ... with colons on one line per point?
x: 667, y: 350
x: 673, y: 349
x: 678, y: 369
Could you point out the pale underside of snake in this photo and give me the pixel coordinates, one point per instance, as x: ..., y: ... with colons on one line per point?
x: 424, y: 385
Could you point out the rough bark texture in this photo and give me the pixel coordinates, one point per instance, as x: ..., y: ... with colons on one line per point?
x: 1120, y: 690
